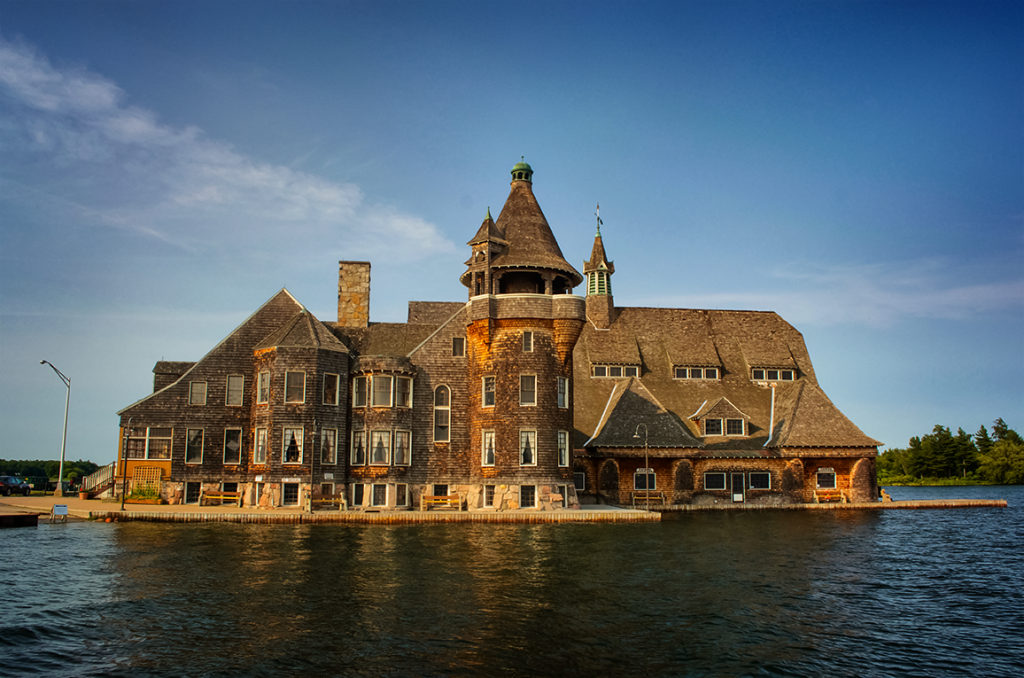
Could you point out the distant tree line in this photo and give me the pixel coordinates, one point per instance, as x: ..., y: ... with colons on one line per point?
x: 962, y: 458
x: 47, y: 469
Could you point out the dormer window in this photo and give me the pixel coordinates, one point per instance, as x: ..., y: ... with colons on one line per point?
x: 614, y: 371
x: 697, y: 372
x: 771, y: 374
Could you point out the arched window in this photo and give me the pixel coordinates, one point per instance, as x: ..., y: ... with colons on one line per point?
x: 442, y: 414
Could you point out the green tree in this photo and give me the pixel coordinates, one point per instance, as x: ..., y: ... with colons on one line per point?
x: 1004, y: 464
x: 1000, y: 432
x: 982, y: 441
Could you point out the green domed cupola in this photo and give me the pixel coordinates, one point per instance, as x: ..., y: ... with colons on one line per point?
x: 522, y: 172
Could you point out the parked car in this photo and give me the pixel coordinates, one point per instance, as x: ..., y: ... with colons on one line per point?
x: 13, y: 484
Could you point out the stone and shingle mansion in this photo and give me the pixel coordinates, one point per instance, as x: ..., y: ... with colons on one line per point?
x: 529, y: 394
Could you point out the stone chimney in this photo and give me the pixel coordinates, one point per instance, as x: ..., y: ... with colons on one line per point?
x: 353, y: 293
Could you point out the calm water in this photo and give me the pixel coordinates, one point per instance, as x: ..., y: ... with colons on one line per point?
x: 837, y: 593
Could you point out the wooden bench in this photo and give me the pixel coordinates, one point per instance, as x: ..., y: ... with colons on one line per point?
x: 451, y: 501
x: 823, y: 496
x: 647, y: 495
x: 338, y: 501
x: 220, y: 496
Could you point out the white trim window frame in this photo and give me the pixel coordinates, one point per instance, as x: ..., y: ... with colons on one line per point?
x: 194, y: 442
x: 358, y: 494
x: 442, y: 414
x: 488, y: 386
x: 332, y: 389
x: 564, y: 491
x: 719, y: 478
x: 233, y: 436
x: 713, y: 429
x: 379, y: 495
x: 579, y: 481
x: 383, y: 390
x: 197, y: 393
x: 563, y: 392
x: 357, y: 456
x: 234, y: 390
x: 763, y: 480
x: 263, y: 388
x: 614, y: 371
x: 458, y: 347
x: 380, y: 448
x: 259, y: 452
x: 772, y: 374
x: 527, y: 447
x: 291, y: 445
x: 359, y: 392
x: 329, y: 446
x: 294, y: 387
x: 527, y: 390
x: 735, y: 427
x: 401, y: 494
x: 563, y: 448
x: 403, y: 392
x: 487, y: 454
x: 402, y: 449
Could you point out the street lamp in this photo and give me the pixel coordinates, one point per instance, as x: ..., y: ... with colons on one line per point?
x: 647, y: 468
x: 59, y: 492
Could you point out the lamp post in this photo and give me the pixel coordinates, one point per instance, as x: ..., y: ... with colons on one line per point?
x: 647, y: 468
x: 59, y: 492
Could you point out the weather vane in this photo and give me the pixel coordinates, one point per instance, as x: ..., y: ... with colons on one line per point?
x: 598, y: 215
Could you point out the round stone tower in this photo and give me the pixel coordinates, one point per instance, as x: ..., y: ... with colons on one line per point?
x: 524, y: 322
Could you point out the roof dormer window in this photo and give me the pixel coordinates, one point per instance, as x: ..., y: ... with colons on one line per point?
x: 614, y: 371
x: 697, y: 372
x: 771, y: 374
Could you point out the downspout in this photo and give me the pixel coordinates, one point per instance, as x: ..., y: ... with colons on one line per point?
x: 771, y: 420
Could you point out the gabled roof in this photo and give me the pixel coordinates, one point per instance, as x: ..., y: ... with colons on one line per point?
x: 720, y: 408
x: 531, y: 244
x: 631, y: 404
x: 488, y: 232
x: 807, y: 418
x: 598, y: 256
x: 302, y: 331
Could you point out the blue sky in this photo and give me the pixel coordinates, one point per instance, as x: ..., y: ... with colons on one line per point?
x: 858, y: 167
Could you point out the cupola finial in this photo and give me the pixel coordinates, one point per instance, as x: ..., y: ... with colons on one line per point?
x: 522, y: 171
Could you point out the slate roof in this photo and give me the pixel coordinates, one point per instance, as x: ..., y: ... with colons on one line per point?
x: 734, y: 341
x: 302, y: 331
x: 531, y: 244
x: 631, y: 404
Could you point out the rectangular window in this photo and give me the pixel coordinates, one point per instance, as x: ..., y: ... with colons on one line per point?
x: 359, y: 392
x: 772, y: 375
x: 380, y: 495
x: 292, y: 445
x: 488, y: 496
x: 487, y: 449
x: 329, y: 446
x: 579, y: 481
x: 564, y: 491
x: 600, y: 371
x: 357, y: 494
x: 153, y: 443
x: 403, y: 392
x: 192, y: 492
x: 643, y: 479
x: 527, y: 496
x: 233, y: 446
x: 260, y: 448
x: 563, y: 392
x: 714, y: 481
x: 326, y: 489
x: 528, y: 342
x: 197, y: 393
x: 488, y: 392
x: 295, y: 387
x: 712, y: 427
x: 194, y: 446
x: 757, y: 375
x: 358, y: 448
x: 331, y: 382
x: 563, y: 448
x: 711, y: 373
x: 786, y: 375
x: 440, y: 490
x: 401, y: 494
x: 263, y: 388
x: 527, y: 448
x: 381, y: 391
x: 235, y: 389
x: 760, y: 480
x: 614, y: 371
x: 403, y: 448
x: 733, y: 427
x: 527, y: 389
x: 826, y: 479
x: 229, y: 487
x: 458, y: 346
x: 290, y: 494
x: 630, y: 371
x: 380, y: 448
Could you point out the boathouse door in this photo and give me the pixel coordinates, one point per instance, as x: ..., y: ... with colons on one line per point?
x: 737, y: 487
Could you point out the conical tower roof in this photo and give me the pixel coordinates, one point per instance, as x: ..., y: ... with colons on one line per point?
x: 531, y: 244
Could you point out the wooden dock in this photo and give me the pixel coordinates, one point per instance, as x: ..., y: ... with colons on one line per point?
x: 379, y: 518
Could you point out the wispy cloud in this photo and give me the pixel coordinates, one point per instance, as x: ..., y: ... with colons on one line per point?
x: 176, y: 184
x: 876, y: 294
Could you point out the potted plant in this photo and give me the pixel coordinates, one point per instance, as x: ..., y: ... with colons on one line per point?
x: 83, y: 494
